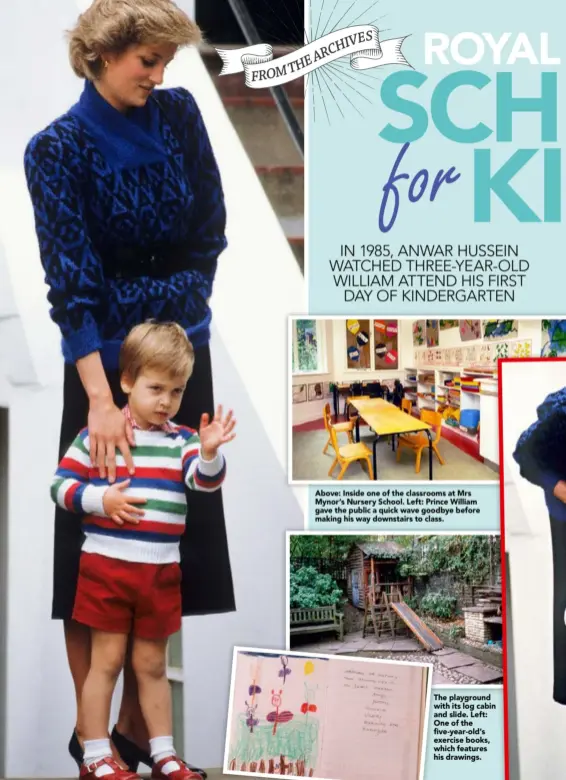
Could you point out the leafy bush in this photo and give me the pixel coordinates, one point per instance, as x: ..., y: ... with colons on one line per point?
x: 470, y: 558
x: 439, y: 605
x: 308, y: 588
x: 456, y: 632
x: 413, y: 602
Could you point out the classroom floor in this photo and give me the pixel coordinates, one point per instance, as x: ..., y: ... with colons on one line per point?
x: 310, y: 464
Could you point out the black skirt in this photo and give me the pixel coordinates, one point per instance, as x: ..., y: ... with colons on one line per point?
x: 205, y: 563
x: 558, y: 533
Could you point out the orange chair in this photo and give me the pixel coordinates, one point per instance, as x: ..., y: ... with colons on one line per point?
x: 345, y: 427
x: 350, y: 453
x: 407, y: 405
x: 419, y: 441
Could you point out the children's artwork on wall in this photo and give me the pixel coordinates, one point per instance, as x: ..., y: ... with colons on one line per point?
x: 485, y: 357
x: 521, y: 349
x: 470, y: 354
x: 448, y: 324
x: 357, y: 344
x: 419, y: 333
x: 553, y: 338
x: 326, y: 391
x: 299, y: 394
x: 470, y: 330
x: 458, y: 356
x: 321, y: 716
x: 386, y: 339
x: 316, y: 392
x: 432, y: 333
x: 501, y: 350
x: 500, y: 329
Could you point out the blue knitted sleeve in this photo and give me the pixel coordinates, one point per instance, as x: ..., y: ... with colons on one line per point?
x: 73, y: 271
x: 541, y: 449
x: 208, y: 218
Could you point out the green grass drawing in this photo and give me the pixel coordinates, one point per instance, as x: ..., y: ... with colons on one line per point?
x: 296, y: 740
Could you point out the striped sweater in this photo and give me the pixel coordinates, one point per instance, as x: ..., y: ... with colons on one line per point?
x: 165, y: 462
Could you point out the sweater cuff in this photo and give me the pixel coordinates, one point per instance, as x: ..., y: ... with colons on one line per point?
x: 210, y: 468
x: 92, y: 500
x: 80, y: 343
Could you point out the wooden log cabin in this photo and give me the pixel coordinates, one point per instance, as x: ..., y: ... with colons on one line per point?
x: 375, y: 562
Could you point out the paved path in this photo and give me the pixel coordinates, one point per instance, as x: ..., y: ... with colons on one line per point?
x: 450, y: 666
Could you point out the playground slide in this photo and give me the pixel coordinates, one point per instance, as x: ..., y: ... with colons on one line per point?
x: 423, y: 633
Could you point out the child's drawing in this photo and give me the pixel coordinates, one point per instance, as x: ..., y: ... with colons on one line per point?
x: 285, y: 670
x: 277, y: 729
x: 500, y: 329
x: 276, y: 716
x: 251, y: 720
x: 553, y: 338
x: 470, y: 330
x: 419, y: 327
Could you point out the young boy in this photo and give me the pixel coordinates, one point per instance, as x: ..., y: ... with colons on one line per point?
x: 129, y: 578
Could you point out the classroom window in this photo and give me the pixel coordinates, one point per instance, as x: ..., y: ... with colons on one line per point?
x: 308, y: 347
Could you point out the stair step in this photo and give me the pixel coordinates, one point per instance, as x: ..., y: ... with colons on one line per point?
x: 285, y: 188
x: 264, y: 134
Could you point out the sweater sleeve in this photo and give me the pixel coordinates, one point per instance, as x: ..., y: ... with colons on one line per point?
x: 540, y: 449
x: 208, y: 217
x: 198, y: 473
x: 70, y: 488
x: 73, y: 271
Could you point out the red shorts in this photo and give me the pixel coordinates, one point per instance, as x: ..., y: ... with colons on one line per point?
x: 125, y: 597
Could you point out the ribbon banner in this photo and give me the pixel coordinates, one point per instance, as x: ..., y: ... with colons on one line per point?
x: 361, y: 43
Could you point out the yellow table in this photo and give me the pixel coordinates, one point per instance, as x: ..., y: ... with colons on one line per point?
x: 388, y: 420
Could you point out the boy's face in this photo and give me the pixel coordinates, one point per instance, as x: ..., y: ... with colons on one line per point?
x: 154, y: 397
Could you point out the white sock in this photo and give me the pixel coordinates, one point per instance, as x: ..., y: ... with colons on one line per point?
x: 160, y: 748
x: 96, y: 750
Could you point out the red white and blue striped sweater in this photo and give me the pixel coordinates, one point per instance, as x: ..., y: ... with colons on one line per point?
x: 165, y: 462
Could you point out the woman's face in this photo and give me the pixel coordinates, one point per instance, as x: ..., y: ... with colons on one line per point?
x: 129, y: 77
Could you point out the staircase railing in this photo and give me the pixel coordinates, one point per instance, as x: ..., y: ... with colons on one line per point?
x: 249, y: 30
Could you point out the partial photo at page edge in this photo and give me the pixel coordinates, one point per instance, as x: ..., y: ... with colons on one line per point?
x: 337, y: 718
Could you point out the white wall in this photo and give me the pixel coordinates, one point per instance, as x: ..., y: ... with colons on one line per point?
x: 541, y: 721
x: 40, y: 702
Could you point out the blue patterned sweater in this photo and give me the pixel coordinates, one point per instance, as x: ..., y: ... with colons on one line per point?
x: 102, y: 181
x: 541, y: 450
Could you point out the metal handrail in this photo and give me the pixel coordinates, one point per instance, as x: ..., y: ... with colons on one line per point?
x: 247, y: 25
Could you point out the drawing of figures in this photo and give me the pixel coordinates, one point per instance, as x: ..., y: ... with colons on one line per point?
x: 251, y: 720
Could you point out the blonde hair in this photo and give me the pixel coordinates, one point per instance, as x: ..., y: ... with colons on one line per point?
x: 114, y: 25
x: 157, y: 346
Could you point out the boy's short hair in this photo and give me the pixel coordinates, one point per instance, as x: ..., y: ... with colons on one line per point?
x: 157, y: 346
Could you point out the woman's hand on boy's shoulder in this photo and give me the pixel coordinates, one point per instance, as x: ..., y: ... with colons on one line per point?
x: 109, y: 430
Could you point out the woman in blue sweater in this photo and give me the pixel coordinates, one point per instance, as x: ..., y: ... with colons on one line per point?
x: 130, y: 219
x: 541, y: 455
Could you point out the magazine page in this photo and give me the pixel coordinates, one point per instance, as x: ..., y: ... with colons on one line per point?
x: 281, y: 369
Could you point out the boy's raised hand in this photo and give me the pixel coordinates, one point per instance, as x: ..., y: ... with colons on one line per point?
x: 213, y: 433
x: 120, y: 508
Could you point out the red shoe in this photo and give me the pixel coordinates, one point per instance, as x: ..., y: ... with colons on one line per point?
x: 183, y: 773
x: 88, y: 772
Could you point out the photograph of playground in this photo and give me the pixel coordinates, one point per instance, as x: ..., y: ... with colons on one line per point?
x: 434, y: 599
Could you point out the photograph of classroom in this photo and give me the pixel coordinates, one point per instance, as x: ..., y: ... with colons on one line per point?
x: 431, y: 599
x: 403, y: 399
